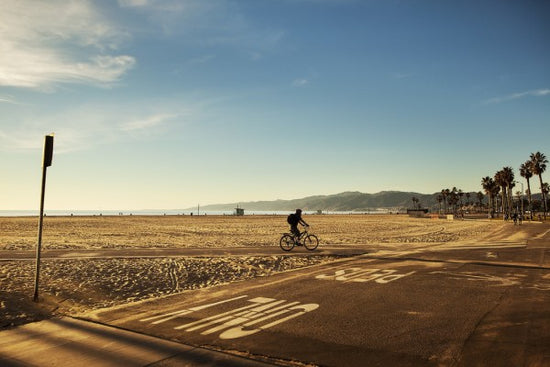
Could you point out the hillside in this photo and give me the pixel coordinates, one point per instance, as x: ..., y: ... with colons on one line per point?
x: 345, y: 201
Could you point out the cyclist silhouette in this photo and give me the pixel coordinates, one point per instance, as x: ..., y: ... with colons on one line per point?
x: 295, y: 219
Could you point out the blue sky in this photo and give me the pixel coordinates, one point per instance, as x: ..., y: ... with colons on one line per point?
x: 166, y: 104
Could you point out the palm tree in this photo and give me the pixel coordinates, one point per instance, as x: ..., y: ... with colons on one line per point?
x: 488, y: 185
x: 525, y: 172
x: 511, y: 185
x: 545, y: 190
x: 445, y: 193
x: 519, y: 205
x: 495, y: 191
x: 505, y: 179
x: 453, y: 200
x: 538, y: 166
x: 508, y: 173
x: 439, y: 200
x: 460, y: 194
x: 480, y: 198
x: 500, y: 181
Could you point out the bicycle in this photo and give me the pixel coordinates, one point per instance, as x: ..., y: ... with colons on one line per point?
x: 309, y: 241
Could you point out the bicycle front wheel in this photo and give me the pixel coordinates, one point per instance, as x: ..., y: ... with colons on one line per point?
x: 311, y: 242
x: 286, y: 242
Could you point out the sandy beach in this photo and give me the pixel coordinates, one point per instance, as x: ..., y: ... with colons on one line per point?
x: 70, y: 286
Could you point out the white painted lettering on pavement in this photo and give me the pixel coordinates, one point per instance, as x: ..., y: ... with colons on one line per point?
x: 172, y: 315
x: 361, y: 275
x: 496, y: 280
x: 261, y: 314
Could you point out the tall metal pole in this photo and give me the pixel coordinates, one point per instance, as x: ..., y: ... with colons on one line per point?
x: 46, y: 162
x: 40, y: 224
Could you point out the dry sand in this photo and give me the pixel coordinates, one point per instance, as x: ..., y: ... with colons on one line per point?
x: 69, y: 286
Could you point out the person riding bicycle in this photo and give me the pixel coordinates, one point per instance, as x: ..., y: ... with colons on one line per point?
x: 295, y: 219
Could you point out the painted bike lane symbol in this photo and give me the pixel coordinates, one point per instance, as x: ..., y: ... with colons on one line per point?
x: 263, y: 313
x: 362, y: 275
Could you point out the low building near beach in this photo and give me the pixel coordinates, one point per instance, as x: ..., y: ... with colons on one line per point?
x: 420, y: 212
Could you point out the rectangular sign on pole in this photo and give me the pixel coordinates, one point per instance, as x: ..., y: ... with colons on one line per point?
x: 46, y: 162
x: 48, y: 151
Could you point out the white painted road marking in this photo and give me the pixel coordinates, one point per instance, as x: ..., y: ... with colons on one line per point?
x: 493, y: 279
x: 237, y: 323
x: 175, y: 314
x: 361, y: 275
x: 240, y: 331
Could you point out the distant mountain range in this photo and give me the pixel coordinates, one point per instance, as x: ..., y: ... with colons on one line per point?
x: 345, y: 201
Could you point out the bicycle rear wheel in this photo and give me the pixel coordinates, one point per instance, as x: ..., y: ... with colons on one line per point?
x: 311, y: 242
x: 286, y: 242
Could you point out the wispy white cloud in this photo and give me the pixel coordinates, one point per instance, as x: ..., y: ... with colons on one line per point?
x: 255, y: 56
x: 147, y: 123
x: 19, y: 140
x: 40, y: 70
x: 133, y: 3
x: 29, y: 135
x: 510, y: 97
x: 302, y: 82
x: 164, y: 6
x: 210, y: 23
x: 4, y: 99
x: 48, y: 42
x: 85, y: 127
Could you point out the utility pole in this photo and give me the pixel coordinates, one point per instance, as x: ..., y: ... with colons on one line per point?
x: 46, y: 162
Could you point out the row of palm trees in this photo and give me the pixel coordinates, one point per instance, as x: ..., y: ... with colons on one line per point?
x: 503, y: 182
x: 452, y: 199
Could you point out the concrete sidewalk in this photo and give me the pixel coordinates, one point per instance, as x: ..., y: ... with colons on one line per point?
x: 71, y: 342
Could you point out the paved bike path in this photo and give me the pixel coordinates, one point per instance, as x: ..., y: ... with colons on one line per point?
x: 365, y: 311
x: 325, y: 250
